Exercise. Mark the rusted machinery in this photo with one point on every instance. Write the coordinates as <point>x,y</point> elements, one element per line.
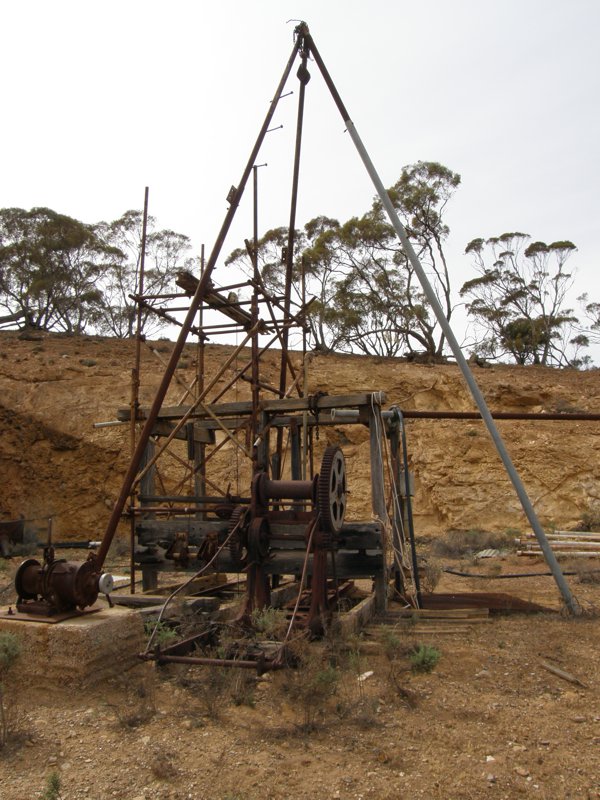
<point>288,519</point>
<point>288,534</point>
<point>285,527</point>
<point>58,586</point>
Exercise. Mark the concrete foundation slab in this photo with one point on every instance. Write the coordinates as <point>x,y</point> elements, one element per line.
<point>78,652</point>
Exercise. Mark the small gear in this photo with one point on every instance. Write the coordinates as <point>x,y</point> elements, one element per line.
<point>331,490</point>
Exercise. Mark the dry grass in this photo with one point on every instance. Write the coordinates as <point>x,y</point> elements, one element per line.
<point>461,544</point>
<point>139,706</point>
<point>586,571</point>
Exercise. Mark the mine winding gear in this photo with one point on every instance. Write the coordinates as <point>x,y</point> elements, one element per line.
<point>317,506</point>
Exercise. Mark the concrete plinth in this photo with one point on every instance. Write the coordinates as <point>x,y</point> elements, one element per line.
<point>77,653</point>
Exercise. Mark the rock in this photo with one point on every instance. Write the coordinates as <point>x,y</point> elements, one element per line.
<point>88,362</point>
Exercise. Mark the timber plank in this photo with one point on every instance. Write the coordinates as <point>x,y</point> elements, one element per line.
<point>270,406</point>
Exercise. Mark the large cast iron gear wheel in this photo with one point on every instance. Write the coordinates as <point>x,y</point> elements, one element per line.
<point>331,490</point>
<point>238,544</point>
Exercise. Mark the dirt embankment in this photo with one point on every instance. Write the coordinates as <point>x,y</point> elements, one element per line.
<point>55,463</point>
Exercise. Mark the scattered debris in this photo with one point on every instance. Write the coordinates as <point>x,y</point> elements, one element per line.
<point>560,673</point>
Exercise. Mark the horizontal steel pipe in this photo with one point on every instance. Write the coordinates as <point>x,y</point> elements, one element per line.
<point>351,416</point>
<point>260,666</point>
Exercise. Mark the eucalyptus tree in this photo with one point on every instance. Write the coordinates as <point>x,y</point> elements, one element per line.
<point>519,300</point>
<point>166,253</point>
<point>51,269</point>
<point>365,295</point>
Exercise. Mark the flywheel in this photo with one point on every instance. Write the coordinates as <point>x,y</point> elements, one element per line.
<point>331,490</point>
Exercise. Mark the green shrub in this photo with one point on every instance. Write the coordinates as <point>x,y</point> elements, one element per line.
<point>310,686</point>
<point>271,622</point>
<point>424,658</point>
<point>10,649</point>
<point>392,645</point>
<point>52,790</point>
<point>164,633</point>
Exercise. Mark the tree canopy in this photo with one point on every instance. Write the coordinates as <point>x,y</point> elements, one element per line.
<point>165,255</point>
<point>519,300</point>
<point>51,266</point>
<point>365,294</point>
<point>60,274</point>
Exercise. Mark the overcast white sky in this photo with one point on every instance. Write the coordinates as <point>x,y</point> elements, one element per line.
<point>103,98</point>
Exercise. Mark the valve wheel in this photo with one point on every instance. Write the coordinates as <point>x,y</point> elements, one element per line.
<point>331,490</point>
<point>238,544</point>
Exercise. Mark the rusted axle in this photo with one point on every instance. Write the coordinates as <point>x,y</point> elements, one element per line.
<point>261,665</point>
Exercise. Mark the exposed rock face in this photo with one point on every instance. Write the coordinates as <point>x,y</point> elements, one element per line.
<point>54,463</point>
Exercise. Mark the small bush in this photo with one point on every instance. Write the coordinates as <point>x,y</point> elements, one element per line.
<point>242,687</point>
<point>119,548</point>
<point>164,633</point>
<point>214,686</point>
<point>53,785</point>
<point>458,544</point>
<point>271,622</point>
<point>430,576</point>
<point>162,766</point>
<point>424,658</point>
<point>140,706</point>
<point>392,645</point>
<point>586,572</point>
<point>25,548</point>
<point>310,685</point>
<point>10,649</point>
<point>590,520</point>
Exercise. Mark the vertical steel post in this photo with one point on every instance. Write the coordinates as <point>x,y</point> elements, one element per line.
<point>303,77</point>
<point>200,448</point>
<point>526,504</point>
<point>135,376</point>
<point>376,432</point>
<point>399,419</point>
<point>255,374</point>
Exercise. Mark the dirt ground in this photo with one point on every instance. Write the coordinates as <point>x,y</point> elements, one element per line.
<point>490,720</point>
